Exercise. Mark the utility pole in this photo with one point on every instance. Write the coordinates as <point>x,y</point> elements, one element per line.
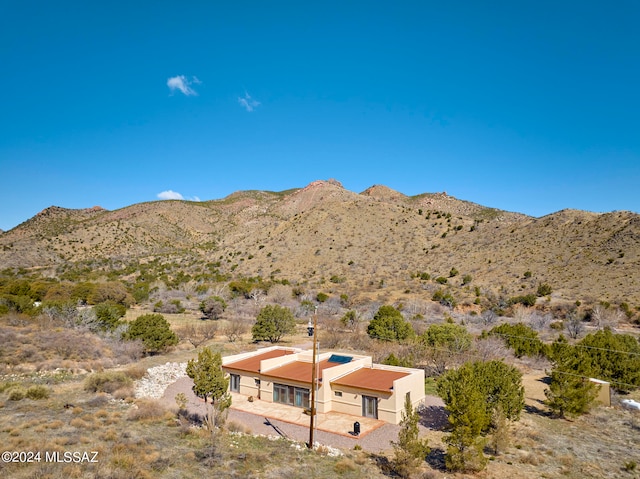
<point>313,378</point>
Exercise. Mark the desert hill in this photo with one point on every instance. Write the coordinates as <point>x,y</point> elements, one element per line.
<point>323,235</point>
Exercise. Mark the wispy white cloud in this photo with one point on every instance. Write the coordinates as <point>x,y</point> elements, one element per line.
<point>247,102</point>
<point>170,195</point>
<point>174,195</point>
<point>183,84</point>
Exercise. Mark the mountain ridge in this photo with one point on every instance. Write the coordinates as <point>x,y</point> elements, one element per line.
<point>368,239</point>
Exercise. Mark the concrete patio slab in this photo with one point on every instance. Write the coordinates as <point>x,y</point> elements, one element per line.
<point>334,422</point>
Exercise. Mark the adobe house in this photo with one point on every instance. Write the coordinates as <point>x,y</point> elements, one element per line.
<point>347,383</point>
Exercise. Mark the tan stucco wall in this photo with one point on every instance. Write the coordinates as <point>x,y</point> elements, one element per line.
<point>325,393</point>
<point>390,404</point>
<point>248,385</point>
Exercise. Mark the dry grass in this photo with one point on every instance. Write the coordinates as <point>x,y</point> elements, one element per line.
<point>31,347</point>
<point>144,440</point>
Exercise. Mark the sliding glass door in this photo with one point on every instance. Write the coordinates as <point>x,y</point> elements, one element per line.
<point>370,406</point>
<point>291,395</point>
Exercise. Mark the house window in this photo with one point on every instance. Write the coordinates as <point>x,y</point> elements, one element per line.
<point>338,394</point>
<point>370,406</point>
<point>234,383</point>
<point>291,395</point>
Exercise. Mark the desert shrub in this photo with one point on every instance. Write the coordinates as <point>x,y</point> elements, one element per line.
<point>153,330</point>
<point>272,323</point>
<point>444,298</point>
<point>526,300</point>
<point>441,280</point>
<point>6,386</point>
<point>521,338</point>
<point>614,358</point>
<point>125,393</point>
<point>213,307</point>
<point>126,351</point>
<point>109,313</point>
<point>344,466</point>
<point>136,372</point>
<point>100,399</point>
<point>388,324</point>
<point>38,392</point>
<point>112,291</point>
<point>322,297</point>
<point>16,394</point>
<point>393,360</point>
<point>107,381</point>
<point>544,289</point>
<point>234,426</point>
<point>181,401</point>
<point>147,410</point>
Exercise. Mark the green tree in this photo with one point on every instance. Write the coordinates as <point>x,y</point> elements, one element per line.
<point>109,314</point>
<point>388,324</point>
<point>614,358</point>
<point>153,330</point>
<point>474,394</point>
<point>272,323</point>
<point>570,393</point>
<point>213,307</point>
<point>468,417</point>
<point>209,379</point>
<point>350,319</point>
<point>393,360</point>
<point>409,450</point>
<point>521,338</point>
<point>112,291</point>
<point>445,342</point>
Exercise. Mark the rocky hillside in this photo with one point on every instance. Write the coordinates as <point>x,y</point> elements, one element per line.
<point>327,236</point>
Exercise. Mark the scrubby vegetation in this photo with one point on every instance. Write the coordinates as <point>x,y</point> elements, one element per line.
<point>414,287</point>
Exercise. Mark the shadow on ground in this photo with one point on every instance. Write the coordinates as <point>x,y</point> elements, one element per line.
<point>533,409</point>
<point>435,459</point>
<point>434,417</point>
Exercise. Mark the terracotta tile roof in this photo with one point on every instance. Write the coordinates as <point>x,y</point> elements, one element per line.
<point>371,379</point>
<point>299,370</point>
<point>252,363</point>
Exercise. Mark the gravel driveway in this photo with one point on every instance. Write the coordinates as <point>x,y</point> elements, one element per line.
<point>376,441</point>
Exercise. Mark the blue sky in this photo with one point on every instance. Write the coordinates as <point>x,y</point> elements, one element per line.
<point>529,106</point>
